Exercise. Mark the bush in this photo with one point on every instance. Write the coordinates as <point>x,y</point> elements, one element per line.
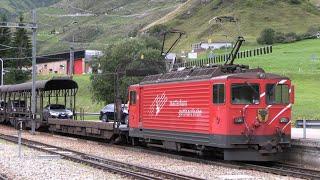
<point>291,37</point>
<point>279,37</point>
<point>158,30</point>
<point>16,76</point>
<point>267,36</point>
<point>295,1</point>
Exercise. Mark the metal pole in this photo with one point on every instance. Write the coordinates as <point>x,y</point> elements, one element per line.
<point>19,138</point>
<point>71,57</point>
<point>34,54</point>
<point>1,71</point>
<point>304,129</point>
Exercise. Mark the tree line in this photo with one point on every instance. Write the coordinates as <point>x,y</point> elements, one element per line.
<point>15,50</point>
<point>131,58</point>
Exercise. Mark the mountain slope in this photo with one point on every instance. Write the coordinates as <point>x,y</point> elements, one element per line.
<point>253,15</point>
<point>97,22</point>
<point>14,7</point>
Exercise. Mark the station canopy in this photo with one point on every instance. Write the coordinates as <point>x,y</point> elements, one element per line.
<point>43,85</point>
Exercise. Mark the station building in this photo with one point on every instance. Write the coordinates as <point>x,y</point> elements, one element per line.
<point>58,63</point>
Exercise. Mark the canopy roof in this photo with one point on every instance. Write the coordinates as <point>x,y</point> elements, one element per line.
<point>44,85</point>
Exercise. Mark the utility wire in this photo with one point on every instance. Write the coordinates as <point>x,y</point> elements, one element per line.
<point>20,58</point>
<point>11,47</point>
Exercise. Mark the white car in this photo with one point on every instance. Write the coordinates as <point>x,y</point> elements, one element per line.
<point>57,111</point>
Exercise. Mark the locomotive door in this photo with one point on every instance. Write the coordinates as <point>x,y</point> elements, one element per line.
<point>218,110</point>
<point>134,107</point>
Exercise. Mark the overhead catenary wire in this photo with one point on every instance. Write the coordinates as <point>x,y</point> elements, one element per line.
<point>7,46</point>
<point>20,58</point>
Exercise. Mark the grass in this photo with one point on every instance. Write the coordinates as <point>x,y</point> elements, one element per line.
<point>114,26</point>
<point>253,15</point>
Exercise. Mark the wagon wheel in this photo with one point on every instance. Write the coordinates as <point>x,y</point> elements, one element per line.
<point>104,118</point>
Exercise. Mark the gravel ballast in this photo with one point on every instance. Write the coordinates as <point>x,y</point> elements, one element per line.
<point>205,171</point>
<point>39,165</point>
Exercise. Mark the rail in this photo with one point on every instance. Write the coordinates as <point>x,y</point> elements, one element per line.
<point>126,169</point>
<point>291,170</point>
<point>3,177</point>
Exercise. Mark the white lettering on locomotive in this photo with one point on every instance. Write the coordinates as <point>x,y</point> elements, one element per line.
<point>190,113</point>
<point>178,103</point>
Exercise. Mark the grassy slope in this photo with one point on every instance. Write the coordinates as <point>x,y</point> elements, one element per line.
<point>254,15</point>
<point>96,31</point>
<point>14,7</point>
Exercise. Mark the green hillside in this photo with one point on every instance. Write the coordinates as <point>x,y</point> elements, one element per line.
<point>97,22</point>
<point>14,7</point>
<point>101,22</point>
<point>253,16</point>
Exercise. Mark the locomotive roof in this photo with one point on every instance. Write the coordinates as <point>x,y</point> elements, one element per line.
<point>218,72</point>
<point>44,85</point>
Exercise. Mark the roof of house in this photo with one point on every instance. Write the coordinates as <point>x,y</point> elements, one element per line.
<point>60,56</point>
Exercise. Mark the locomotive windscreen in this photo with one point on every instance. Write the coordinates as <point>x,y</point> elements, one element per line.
<point>245,93</point>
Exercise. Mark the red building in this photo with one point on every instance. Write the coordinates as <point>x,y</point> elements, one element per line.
<point>58,63</point>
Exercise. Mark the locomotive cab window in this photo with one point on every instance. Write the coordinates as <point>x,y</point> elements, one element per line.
<point>245,93</point>
<point>277,94</point>
<point>133,97</point>
<point>218,94</point>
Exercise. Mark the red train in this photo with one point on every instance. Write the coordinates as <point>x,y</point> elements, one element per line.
<point>245,113</point>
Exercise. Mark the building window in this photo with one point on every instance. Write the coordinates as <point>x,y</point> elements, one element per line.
<point>62,66</point>
<point>45,66</point>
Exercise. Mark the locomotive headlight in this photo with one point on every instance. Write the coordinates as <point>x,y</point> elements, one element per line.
<point>284,120</point>
<point>238,120</point>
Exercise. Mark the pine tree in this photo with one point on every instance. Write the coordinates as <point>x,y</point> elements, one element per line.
<point>21,49</point>
<point>22,44</point>
<point>5,39</point>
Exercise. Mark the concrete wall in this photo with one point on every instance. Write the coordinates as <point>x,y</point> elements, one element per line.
<point>58,67</point>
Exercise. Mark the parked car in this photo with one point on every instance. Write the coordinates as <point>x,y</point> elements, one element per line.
<point>56,111</point>
<point>107,113</point>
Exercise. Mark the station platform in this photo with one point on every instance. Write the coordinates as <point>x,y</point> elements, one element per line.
<point>312,134</point>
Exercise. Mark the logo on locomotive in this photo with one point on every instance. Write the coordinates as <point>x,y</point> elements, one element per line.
<point>158,104</point>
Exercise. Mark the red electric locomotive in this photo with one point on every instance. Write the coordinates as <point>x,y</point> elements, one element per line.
<point>245,113</point>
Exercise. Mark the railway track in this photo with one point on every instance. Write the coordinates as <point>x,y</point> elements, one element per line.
<point>144,173</point>
<point>125,169</point>
<point>3,177</point>
<point>284,170</point>
<point>277,168</point>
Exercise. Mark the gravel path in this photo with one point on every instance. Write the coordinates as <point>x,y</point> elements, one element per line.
<point>36,165</point>
<point>144,159</point>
